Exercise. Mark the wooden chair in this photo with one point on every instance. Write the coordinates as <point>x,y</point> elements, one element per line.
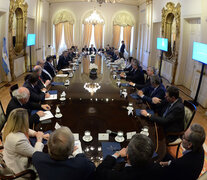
<point>2,119</point>
<point>6,173</point>
<point>190,110</point>
<point>203,177</point>
<point>12,88</point>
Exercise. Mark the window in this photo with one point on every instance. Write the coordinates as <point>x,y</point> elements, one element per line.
<point>92,41</point>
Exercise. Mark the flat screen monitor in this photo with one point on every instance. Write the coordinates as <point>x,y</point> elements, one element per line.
<point>200,52</point>
<point>162,44</point>
<point>31,39</point>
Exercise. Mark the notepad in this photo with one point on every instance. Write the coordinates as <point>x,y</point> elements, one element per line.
<point>52,97</point>
<point>57,83</point>
<point>48,115</point>
<point>61,75</point>
<point>52,92</point>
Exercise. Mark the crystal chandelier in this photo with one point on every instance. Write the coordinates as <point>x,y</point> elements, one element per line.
<point>92,87</point>
<point>104,1</point>
<point>94,18</point>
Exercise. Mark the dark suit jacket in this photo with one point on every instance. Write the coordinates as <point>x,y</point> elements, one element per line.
<point>36,95</point>
<point>92,50</point>
<point>50,69</point>
<point>46,76</point>
<point>187,167</point>
<point>62,63</point>
<point>145,85</point>
<point>77,168</point>
<point>150,92</point>
<point>14,104</point>
<point>174,119</point>
<point>84,49</point>
<point>122,48</point>
<point>105,171</point>
<point>136,76</point>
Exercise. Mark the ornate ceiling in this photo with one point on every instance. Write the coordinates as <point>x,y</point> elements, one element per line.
<point>128,2</point>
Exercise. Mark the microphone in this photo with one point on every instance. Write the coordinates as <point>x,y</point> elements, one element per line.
<point>110,132</point>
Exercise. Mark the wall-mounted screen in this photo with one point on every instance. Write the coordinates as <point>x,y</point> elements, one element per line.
<point>200,52</point>
<point>31,39</point>
<point>162,44</point>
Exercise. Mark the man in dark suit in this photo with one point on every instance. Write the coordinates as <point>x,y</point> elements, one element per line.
<point>157,89</point>
<point>20,99</point>
<point>151,71</point>
<point>85,49</point>
<point>92,49</point>
<point>49,67</point>
<point>44,75</point>
<point>188,166</point>
<point>36,95</point>
<point>136,75</point>
<point>62,162</point>
<point>63,61</point>
<point>122,49</point>
<point>138,165</point>
<point>172,114</point>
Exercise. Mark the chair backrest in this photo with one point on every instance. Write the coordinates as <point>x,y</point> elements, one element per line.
<point>203,177</point>
<point>145,75</point>
<point>12,88</point>
<point>2,117</point>
<point>190,110</point>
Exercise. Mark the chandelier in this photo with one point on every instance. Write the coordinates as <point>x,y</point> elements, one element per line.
<point>104,1</point>
<point>92,87</point>
<point>94,18</point>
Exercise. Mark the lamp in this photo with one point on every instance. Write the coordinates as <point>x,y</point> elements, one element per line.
<point>104,1</point>
<point>94,18</point>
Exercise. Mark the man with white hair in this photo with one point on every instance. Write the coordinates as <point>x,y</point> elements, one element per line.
<point>20,99</point>
<point>61,161</point>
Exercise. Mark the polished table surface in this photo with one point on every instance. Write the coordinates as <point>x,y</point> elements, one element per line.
<point>97,112</point>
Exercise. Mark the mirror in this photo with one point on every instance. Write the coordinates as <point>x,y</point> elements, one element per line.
<point>17,32</point>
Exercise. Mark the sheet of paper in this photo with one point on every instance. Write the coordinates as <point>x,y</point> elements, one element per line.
<point>103,136</point>
<point>48,115</point>
<point>130,134</point>
<point>61,75</point>
<point>57,126</point>
<point>78,145</point>
<point>52,97</point>
<point>76,136</point>
<point>66,69</point>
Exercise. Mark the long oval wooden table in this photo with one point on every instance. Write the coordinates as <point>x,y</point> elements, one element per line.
<point>97,112</point>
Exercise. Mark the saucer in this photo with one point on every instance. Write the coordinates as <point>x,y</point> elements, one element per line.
<point>118,139</point>
<point>87,139</point>
<point>130,108</point>
<point>62,99</point>
<point>146,133</point>
<point>58,115</point>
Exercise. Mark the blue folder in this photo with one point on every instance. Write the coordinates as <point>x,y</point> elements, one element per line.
<point>109,148</point>
<point>53,92</point>
<point>125,84</point>
<point>33,140</point>
<point>134,96</point>
<point>57,83</point>
<point>138,113</point>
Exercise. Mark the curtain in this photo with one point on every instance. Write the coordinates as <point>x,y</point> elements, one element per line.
<point>116,36</point>
<point>98,32</point>
<point>87,34</point>
<point>127,37</point>
<point>58,35</point>
<point>68,31</point>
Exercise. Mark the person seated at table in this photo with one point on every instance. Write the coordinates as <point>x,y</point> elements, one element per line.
<point>17,148</point>
<point>120,62</point>
<point>92,49</point>
<point>36,95</point>
<point>49,67</point>
<point>138,165</point>
<point>128,66</point>
<point>70,55</point>
<point>101,50</point>
<point>115,56</point>
<point>172,112</point>
<point>190,165</point>
<point>62,160</point>
<point>85,49</point>
<point>44,75</point>
<point>157,89</point>
<point>151,71</point>
<point>41,83</point>
<point>136,75</point>
<point>63,61</point>
<point>20,99</point>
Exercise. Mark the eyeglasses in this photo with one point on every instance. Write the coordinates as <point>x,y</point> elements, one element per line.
<point>183,137</point>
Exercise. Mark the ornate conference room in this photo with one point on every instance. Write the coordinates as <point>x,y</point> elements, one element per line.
<point>103,89</point>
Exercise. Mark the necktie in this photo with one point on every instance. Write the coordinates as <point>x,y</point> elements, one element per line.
<point>166,111</point>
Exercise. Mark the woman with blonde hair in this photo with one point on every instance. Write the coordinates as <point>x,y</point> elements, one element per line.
<point>17,148</point>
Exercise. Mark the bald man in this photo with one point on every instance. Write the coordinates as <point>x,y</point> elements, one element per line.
<point>45,75</point>
<point>20,99</point>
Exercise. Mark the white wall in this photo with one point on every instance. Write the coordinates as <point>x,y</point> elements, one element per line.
<point>79,9</point>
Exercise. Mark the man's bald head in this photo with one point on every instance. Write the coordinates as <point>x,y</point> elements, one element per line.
<point>22,94</point>
<point>41,63</point>
<point>38,69</point>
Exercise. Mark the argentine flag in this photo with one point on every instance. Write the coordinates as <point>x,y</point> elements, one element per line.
<point>5,59</point>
